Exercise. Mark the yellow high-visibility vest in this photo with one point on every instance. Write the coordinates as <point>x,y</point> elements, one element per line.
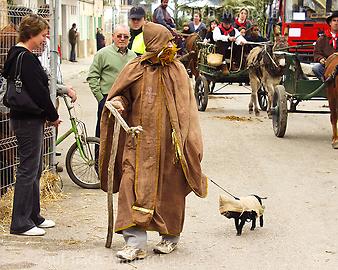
<point>138,44</point>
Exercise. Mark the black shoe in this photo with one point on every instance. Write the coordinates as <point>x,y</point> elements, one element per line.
<point>59,168</point>
<point>58,154</point>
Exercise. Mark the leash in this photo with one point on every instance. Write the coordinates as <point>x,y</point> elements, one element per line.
<point>212,181</point>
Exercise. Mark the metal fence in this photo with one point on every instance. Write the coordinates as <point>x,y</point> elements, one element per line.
<point>10,18</point>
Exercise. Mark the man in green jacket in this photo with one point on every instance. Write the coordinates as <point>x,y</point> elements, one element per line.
<point>106,66</point>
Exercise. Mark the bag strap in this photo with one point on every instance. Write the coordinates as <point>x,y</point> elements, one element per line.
<point>17,75</point>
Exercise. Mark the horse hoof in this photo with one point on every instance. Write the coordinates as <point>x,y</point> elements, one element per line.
<point>250,111</point>
<point>335,145</point>
<point>257,113</point>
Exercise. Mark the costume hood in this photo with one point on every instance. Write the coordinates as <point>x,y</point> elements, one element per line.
<point>156,37</point>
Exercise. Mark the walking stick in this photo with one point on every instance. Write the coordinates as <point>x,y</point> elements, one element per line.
<point>119,121</point>
<point>110,184</point>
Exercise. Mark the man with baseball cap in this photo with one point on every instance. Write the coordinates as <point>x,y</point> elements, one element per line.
<point>136,22</point>
<point>326,45</point>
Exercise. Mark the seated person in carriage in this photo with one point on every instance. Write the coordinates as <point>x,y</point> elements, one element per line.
<point>162,16</point>
<point>185,29</point>
<point>254,36</point>
<point>227,37</point>
<point>241,21</point>
<point>326,45</point>
<point>196,25</point>
<point>209,35</point>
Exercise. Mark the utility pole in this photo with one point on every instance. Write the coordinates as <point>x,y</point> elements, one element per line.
<point>54,25</point>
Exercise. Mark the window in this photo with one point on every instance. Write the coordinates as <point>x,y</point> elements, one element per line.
<point>73,10</point>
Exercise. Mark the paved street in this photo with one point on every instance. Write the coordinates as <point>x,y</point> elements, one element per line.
<point>298,174</point>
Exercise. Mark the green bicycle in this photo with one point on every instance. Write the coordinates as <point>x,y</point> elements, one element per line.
<point>82,156</point>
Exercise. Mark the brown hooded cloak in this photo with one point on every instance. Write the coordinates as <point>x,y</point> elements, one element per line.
<point>155,171</point>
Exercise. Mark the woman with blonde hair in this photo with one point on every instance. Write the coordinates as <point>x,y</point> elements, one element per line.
<point>28,125</point>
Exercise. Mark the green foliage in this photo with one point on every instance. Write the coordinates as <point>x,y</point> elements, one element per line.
<point>257,9</point>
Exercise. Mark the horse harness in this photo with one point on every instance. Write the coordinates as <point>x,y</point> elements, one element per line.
<point>265,59</point>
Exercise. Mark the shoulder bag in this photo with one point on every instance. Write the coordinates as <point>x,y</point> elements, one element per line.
<point>16,97</point>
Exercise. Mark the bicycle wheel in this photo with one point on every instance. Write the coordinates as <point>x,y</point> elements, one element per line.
<point>84,171</point>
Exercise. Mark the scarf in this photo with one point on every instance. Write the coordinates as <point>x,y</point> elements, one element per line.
<point>224,31</point>
<point>133,34</point>
<point>333,40</point>
<point>243,24</point>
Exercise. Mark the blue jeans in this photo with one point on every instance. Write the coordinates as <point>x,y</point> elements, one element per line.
<point>72,53</point>
<point>26,204</point>
<point>318,69</point>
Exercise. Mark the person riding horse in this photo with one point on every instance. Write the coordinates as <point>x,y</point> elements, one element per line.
<point>162,16</point>
<point>326,45</point>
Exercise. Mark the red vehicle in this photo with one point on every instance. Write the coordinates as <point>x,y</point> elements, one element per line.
<point>303,21</point>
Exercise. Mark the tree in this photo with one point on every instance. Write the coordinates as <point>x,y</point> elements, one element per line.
<point>257,9</point>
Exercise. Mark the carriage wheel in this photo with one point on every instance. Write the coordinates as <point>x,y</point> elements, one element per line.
<point>201,92</point>
<point>279,111</point>
<point>262,98</point>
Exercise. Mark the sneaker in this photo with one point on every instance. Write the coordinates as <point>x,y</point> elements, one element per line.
<point>128,253</point>
<point>35,231</point>
<point>47,224</point>
<point>165,247</point>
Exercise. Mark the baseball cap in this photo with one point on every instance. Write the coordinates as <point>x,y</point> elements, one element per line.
<point>137,13</point>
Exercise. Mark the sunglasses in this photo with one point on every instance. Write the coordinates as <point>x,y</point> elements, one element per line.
<point>122,36</point>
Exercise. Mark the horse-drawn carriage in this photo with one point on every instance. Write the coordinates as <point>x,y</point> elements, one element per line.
<point>295,87</point>
<point>209,74</point>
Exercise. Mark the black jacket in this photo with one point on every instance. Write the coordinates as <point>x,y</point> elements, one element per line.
<point>35,81</point>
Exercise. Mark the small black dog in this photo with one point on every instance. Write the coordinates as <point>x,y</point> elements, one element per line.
<point>245,209</point>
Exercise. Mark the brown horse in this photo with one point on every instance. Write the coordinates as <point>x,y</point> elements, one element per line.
<point>189,59</point>
<point>331,71</point>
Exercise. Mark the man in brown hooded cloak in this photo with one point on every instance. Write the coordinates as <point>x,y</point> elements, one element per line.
<point>155,171</point>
